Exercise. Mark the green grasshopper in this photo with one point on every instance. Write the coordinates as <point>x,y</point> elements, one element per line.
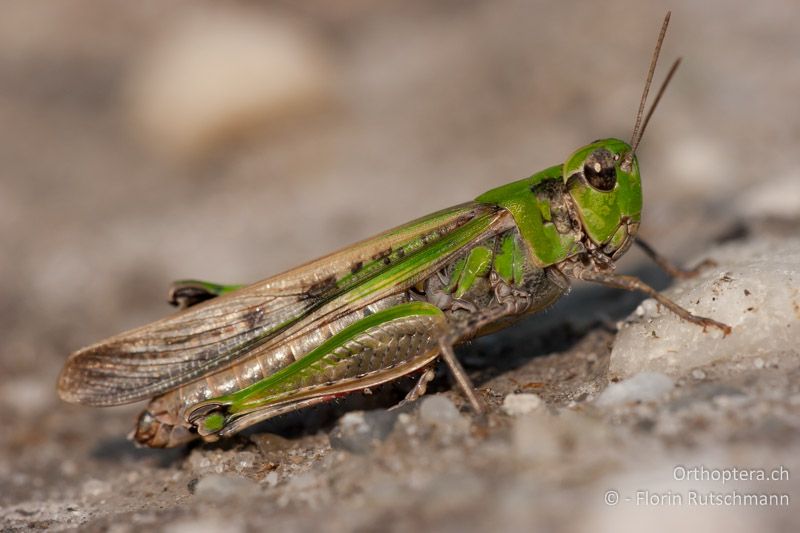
<point>384,308</point>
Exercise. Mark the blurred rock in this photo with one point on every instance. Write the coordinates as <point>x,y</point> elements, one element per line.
<point>780,198</point>
<point>359,431</point>
<point>700,165</point>
<point>451,494</point>
<point>203,461</point>
<point>541,436</point>
<point>536,437</point>
<point>27,396</point>
<point>220,74</point>
<point>643,387</point>
<point>650,494</point>
<point>205,524</point>
<point>271,479</point>
<point>519,404</point>
<point>215,486</point>
<point>754,289</point>
<point>96,488</point>
<point>438,411</point>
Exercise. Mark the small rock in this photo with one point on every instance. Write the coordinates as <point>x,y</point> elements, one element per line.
<point>438,410</point>
<point>245,461</point>
<point>643,387</point>
<point>271,479</point>
<point>359,431</point>
<point>698,374</point>
<point>439,413</point>
<point>520,404</point>
<point>222,486</point>
<point>753,289</point>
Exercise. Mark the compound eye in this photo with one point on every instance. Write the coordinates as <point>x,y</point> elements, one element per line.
<point>600,171</point>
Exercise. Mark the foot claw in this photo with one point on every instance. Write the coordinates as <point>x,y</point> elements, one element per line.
<point>707,322</point>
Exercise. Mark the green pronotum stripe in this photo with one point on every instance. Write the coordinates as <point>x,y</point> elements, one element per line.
<point>257,389</point>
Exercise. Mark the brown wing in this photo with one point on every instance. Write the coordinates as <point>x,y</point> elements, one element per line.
<point>157,357</point>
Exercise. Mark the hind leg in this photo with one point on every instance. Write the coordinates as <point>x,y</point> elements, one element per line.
<point>419,387</point>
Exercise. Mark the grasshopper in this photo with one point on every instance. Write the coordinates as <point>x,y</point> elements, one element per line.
<point>384,308</point>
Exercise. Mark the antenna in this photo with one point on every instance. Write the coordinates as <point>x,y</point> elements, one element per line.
<point>637,129</point>
<point>657,99</point>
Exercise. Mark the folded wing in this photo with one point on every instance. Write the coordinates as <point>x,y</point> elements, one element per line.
<point>152,359</point>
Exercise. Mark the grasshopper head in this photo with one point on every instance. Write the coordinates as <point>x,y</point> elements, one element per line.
<point>603,177</point>
<point>604,183</point>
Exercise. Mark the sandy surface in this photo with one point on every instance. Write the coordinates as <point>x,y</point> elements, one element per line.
<point>406,107</point>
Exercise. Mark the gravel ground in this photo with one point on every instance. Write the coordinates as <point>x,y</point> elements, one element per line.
<point>136,151</point>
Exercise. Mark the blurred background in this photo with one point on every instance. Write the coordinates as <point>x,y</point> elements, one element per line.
<point>143,142</point>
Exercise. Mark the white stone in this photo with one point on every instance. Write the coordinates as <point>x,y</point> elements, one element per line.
<point>643,387</point>
<point>755,289</point>
<point>354,422</point>
<point>520,404</point>
<point>438,410</point>
<point>440,414</point>
<point>271,479</point>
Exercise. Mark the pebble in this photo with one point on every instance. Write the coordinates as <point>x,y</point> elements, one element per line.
<point>520,404</point>
<point>438,410</point>
<point>441,415</point>
<point>271,479</point>
<point>643,387</point>
<point>359,431</point>
<point>750,290</point>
